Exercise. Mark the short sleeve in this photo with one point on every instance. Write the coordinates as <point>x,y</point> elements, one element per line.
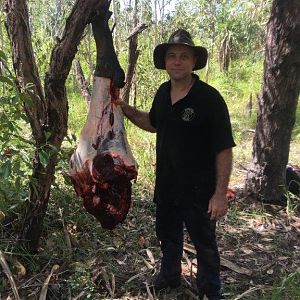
<point>221,131</point>
<point>153,112</point>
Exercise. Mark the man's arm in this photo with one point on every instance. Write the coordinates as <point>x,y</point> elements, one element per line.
<point>137,117</point>
<point>218,204</point>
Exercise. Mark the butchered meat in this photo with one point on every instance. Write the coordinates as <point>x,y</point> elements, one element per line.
<point>102,166</point>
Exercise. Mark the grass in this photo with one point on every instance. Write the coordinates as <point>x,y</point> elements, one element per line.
<point>289,286</point>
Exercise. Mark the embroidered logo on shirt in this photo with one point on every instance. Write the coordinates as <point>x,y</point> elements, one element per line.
<point>188,114</point>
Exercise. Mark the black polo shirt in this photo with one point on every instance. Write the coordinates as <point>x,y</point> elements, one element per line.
<point>189,134</point>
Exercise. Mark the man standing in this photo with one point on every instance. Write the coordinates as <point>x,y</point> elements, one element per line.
<point>193,162</point>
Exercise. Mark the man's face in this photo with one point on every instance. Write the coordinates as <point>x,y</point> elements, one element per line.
<point>180,61</point>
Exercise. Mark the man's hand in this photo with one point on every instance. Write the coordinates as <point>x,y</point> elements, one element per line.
<point>137,117</point>
<point>119,102</point>
<point>218,206</point>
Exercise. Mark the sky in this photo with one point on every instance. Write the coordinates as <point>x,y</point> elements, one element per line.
<point>168,8</point>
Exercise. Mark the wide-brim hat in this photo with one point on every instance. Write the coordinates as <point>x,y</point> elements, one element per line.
<point>179,37</point>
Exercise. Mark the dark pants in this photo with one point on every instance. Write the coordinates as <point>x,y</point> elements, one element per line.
<point>169,229</point>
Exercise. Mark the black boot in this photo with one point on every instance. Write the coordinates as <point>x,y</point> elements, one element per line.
<point>162,281</point>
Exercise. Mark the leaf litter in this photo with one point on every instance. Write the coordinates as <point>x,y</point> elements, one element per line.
<point>259,246</point>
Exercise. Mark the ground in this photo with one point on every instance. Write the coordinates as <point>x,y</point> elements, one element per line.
<point>259,246</point>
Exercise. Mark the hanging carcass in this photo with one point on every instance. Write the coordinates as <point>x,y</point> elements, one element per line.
<point>102,167</point>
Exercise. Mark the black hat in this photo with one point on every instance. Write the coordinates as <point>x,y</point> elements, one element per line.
<point>179,37</point>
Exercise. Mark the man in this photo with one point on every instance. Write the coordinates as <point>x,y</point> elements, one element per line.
<point>194,160</point>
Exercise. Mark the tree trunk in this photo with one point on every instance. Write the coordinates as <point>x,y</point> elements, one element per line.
<point>162,16</point>
<point>1,47</point>
<point>155,23</point>
<point>82,83</point>
<point>277,105</point>
<point>89,52</point>
<point>116,9</point>
<point>133,54</point>
<point>1,34</point>
<point>225,52</point>
<point>132,59</point>
<point>58,15</point>
<point>48,114</point>
<point>212,33</point>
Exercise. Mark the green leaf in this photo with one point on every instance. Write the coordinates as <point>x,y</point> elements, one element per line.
<point>52,147</point>
<point>2,55</point>
<point>47,134</point>
<point>26,99</point>
<point>17,167</point>
<point>74,137</point>
<point>7,80</point>
<point>24,117</point>
<point>5,169</point>
<point>18,183</point>
<point>14,100</point>
<point>44,158</point>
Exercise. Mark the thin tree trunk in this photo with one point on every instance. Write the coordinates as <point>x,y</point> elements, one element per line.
<point>89,53</point>
<point>1,47</point>
<point>162,16</point>
<point>1,34</point>
<point>116,30</point>
<point>48,114</point>
<point>133,54</point>
<point>83,84</point>
<point>58,14</point>
<point>207,68</point>
<point>155,23</point>
<point>134,91</point>
<point>277,105</point>
<point>128,17</point>
<point>212,8</point>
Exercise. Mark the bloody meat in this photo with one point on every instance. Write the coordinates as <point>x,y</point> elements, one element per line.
<point>103,166</point>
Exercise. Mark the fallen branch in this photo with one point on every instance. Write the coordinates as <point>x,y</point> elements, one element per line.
<point>230,265</point>
<point>43,294</point>
<point>79,296</point>
<point>251,290</point>
<point>135,276</point>
<point>148,265</point>
<point>9,275</point>
<point>224,262</point>
<point>66,233</point>
<point>111,286</point>
<point>150,296</point>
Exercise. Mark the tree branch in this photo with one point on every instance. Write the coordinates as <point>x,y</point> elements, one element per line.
<point>64,52</point>
<point>24,63</point>
<point>62,56</point>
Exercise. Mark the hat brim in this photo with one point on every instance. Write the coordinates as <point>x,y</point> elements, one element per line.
<point>161,49</point>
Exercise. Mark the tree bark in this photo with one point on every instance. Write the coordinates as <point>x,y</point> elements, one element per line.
<point>212,33</point>
<point>225,52</point>
<point>155,23</point>
<point>89,52</point>
<point>116,9</point>
<point>25,65</point>
<point>133,55</point>
<point>48,114</point>
<point>83,84</point>
<point>277,104</point>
